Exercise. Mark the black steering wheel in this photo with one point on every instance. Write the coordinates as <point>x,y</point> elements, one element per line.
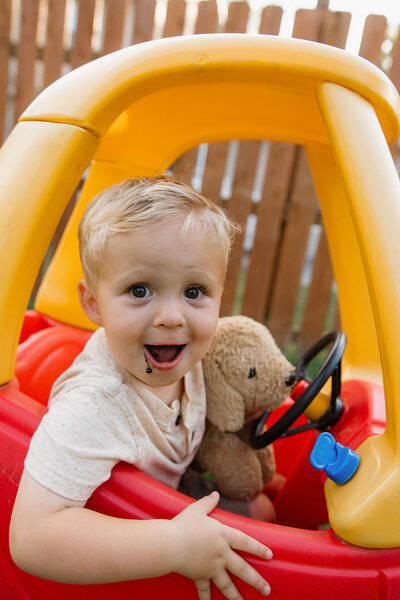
<point>331,367</point>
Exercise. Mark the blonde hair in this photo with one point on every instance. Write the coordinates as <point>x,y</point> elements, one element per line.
<point>146,202</point>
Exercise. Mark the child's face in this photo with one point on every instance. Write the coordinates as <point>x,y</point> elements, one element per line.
<point>158,297</point>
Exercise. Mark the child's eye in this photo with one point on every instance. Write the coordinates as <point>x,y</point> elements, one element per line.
<point>193,292</point>
<point>139,291</point>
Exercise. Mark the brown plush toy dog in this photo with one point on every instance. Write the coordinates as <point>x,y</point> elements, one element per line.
<point>245,375</point>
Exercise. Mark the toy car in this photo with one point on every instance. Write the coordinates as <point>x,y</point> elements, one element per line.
<point>132,113</point>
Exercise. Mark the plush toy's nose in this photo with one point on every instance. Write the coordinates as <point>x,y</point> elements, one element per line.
<point>291,379</point>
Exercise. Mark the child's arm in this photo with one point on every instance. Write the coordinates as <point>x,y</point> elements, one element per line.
<point>58,539</point>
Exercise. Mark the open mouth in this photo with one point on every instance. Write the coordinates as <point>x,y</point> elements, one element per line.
<point>163,357</point>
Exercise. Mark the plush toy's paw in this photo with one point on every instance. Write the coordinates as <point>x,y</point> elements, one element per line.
<point>233,463</point>
<point>267,461</point>
<point>261,508</point>
<point>274,485</point>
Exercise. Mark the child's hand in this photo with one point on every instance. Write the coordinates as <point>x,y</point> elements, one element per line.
<point>205,551</point>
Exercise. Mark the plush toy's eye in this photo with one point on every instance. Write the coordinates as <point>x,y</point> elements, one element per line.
<point>252,372</point>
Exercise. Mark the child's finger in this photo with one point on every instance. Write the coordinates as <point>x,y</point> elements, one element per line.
<point>239,567</point>
<point>206,504</point>
<point>241,541</point>
<point>227,587</point>
<point>203,589</point>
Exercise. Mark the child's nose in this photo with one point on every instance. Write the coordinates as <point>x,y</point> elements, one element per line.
<point>169,314</point>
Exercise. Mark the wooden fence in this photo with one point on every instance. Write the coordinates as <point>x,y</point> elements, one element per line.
<point>280,271</point>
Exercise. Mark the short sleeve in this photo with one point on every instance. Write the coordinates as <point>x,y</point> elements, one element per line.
<point>78,443</point>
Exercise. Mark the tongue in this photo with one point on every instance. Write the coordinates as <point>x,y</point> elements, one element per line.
<point>164,353</point>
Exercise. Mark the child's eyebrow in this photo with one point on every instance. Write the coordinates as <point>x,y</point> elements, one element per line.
<point>135,273</point>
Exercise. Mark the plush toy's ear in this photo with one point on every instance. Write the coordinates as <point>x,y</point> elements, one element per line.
<point>225,405</point>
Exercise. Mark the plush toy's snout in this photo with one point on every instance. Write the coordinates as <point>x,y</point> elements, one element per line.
<point>291,380</point>
<point>245,374</point>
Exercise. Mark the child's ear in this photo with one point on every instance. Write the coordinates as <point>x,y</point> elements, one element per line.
<point>88,302</point>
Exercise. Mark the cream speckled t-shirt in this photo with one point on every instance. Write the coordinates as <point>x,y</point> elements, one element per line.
<point>100,414</point>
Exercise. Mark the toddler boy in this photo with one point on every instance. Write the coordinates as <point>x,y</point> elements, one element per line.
<point>154,255</point>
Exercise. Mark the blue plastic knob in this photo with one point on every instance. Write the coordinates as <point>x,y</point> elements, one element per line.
<point>339,462</point>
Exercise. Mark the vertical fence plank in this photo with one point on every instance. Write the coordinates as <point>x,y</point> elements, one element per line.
<point>207,22</point>
<point>271,18</point>
<point>238,15</point>
<point>394,71</point>
<point>114,25</point>
<point>373,37</point>
<point>26,56</point>
<point>214,171</point>
<point>331,28</point>
<point>5,18</point>
<point>300,213</point>
<point>334,32</point>
<point>175,18</point>
<point>308,24</point>
<point>183,167</point>
<point>394,74</point>
<point>207,17</point>
<point>53,53</point>
<point>217,153</point>
<point>144,20</point>
<point>270,209</point>
<point>239,207</point>
<point>270,216</point>
<point>81,51</point>
<point>335,28</point>
<point>318,297</point>
<point>299,218</point>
